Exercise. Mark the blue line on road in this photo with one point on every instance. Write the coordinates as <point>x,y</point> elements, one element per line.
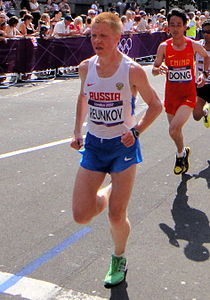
<point>42,259</point>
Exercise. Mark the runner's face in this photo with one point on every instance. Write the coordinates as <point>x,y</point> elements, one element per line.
<point>176,26</point>
<point>104,39</point>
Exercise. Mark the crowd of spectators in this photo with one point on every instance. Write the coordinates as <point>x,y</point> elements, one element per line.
<point>54,19</point>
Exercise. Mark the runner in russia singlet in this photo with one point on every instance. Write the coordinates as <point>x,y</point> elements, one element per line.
<point>111,104</point>
<point>180,83</point>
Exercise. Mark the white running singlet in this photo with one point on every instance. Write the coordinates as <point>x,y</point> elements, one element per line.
<point>199,64</point>
<point>111,105</point>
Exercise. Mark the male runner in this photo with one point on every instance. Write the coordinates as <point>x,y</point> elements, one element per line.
<point>110,82</point>
<point>203,94</point>
<point>180,93</point>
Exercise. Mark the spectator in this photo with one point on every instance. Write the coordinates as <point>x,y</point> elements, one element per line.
<point>2,26</point>
<point>22,13</point>
<point>55,19</point>
<point>9,7</point>
<point>2,31</point>
<point>163,11</point>
<point>133,6</point>
<point>24,4</point>
<point>64,8</point>
<point>137,19</point>
<point>2,39</point>
<point>206,14</point>
<point>84,17</point>
<point>44,32</point>
<point>123,20</point>
<point>48,8</point>
<point>78,25</point>
<point>198,14</point>
<point>143,25</point>
<point>62,28</point>
<point>202,19</point>
<point>95,6</point>
<point>87,27</point>
<point>121,7</point>
<point>44,20</point>
<point>2,6</point>
<point>162,23</point>
<point>55,5</point>
<point>35,11</point>
<point>128,25</point>
<point>11,30</point>
<point>112,8</point>
<point>91,13</point>
<point>150,25</point>
<point>191,26</point>
<point>3,17</point>
<point>198,23</point>
<point>26,27</point>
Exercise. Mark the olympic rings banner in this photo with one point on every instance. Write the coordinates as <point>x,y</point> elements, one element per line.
<point>35,54</point>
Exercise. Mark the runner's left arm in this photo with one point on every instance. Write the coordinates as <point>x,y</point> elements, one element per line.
<point>139,83</point>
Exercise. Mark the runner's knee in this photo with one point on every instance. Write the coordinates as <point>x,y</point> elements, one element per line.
<point>174,131</point>
<point>117,217</point>
<point>81,218</point>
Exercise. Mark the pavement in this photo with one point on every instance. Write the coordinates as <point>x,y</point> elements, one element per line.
<point>44,255</point>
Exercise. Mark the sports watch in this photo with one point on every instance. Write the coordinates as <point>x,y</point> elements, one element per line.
<point>135,132</point>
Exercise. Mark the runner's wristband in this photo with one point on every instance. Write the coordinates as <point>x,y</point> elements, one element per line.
<point>135,132</point>
<point>206,74</point>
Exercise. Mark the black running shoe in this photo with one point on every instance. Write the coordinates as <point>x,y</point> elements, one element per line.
<point>186,160</point>
<point>179,165</point>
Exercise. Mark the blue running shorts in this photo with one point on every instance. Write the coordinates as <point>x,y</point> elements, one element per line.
<point>109,155</point>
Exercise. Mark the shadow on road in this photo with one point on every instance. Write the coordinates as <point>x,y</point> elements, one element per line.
<point>119,292</point>
<point>191,224</point>
<point>204,174</point>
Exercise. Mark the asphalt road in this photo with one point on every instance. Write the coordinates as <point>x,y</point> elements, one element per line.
<point>44,255</point>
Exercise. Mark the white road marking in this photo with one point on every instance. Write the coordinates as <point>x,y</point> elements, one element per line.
<point>21,151</point>
<point>34,289</point>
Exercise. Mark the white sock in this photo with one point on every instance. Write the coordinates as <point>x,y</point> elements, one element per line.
<point>181,154</point>
<point>205,111</point>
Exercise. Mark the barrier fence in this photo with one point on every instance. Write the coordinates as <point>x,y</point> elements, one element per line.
<point>27,55</point>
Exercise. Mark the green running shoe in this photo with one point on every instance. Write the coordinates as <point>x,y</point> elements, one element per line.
<point>117,272</point>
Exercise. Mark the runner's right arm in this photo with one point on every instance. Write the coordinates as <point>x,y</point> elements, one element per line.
<point>81,110</point>
<point>158,67</point>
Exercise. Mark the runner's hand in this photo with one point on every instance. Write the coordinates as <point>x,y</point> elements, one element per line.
<point>76,143</point>
<point>201,81</point>
<point>128,139</point>
<point>163,69</point>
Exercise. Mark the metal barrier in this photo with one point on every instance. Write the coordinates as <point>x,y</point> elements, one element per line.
<point>7,80</point>
<point>43,75</point>
<point>35,59</point>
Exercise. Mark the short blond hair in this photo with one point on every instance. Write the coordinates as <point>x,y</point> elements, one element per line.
<point>109,18</point>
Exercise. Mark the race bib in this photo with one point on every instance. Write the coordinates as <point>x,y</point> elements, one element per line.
<point>183,74</point>
<point>106,113</point>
